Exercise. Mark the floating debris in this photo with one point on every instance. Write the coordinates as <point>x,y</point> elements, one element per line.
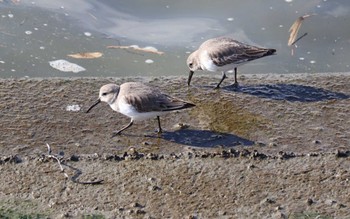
<point>294,29</point>
<point>149,61</point>
<point>149,49</point>
<point>87,34</point>
<point>66,66</point>
<point>86,55</point>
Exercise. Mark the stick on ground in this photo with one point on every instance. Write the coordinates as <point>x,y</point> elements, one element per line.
<point>78,172</point>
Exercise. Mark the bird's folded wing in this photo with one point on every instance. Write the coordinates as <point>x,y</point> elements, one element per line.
<point>236,55</point>
<point>156,102</point>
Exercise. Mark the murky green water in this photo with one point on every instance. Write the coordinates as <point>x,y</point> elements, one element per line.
<point>33,33</point>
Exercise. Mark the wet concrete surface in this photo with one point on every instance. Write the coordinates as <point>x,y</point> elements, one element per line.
<point>275,147</point>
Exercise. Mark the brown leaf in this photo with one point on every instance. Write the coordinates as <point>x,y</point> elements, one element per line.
<point>294,29</point>
<point>86,55</point>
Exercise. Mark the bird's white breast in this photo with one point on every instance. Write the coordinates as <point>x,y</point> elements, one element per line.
<point>130,111</point>
<point>208,64</point>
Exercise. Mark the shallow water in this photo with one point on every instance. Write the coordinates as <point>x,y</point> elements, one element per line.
<point>33,33</point>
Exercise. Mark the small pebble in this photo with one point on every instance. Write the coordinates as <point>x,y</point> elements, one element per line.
<point>74,158</point>
<point>181,126</point>
<point>136,205</point>
<point>251,166</point>
<point>272,144</point>
<point>140,211</point>
<point>270,201</point>
<point>330,202</point>
<point>151,179</point>
<point>316,142</point>
<point>278,208</point>
<point>309,201</point>
<point>261,144</point>
<point>130,211</point>
<point>341,205</point>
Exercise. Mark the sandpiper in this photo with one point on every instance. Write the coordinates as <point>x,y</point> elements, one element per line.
<point>139,102</point>
<point>223,54</point>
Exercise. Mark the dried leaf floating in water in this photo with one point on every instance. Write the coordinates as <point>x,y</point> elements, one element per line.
<point>294,29</point>
<point>66,66</point>
<point>148,49</point>
<point>86,55</point>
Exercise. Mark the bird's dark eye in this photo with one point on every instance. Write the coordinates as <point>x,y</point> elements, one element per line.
<point>190,65</point>
<point>104,94</point>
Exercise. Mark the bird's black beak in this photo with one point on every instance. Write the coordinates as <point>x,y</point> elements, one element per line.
<point>189,78</point>
<point>97,102</point>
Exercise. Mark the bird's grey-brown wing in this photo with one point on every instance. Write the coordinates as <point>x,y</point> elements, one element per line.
<point>168,103</point>
<point>234,52</point>
<point>147,99</point>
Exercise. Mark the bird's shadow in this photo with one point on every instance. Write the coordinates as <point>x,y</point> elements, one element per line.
<point>205,138</point>
<point>289,92</point>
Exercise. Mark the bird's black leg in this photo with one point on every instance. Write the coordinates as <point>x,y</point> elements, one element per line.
<point>222,79</point>
<point>122,129</point>
<point>236,82</point>
<point>160,130</point>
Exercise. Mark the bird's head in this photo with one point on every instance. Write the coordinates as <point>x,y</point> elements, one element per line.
<point>108,93</point>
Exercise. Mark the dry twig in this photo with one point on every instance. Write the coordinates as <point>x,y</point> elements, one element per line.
<point>77,171</point>
<point>49,155</point>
